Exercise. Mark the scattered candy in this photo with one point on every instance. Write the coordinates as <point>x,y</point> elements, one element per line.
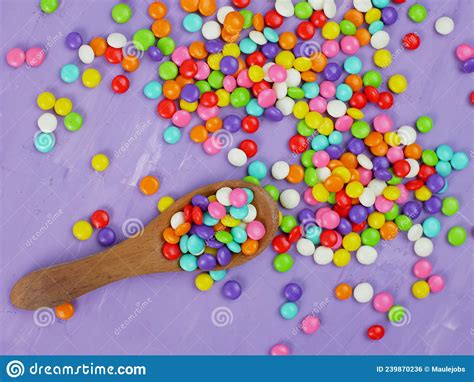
<point>100,162</point>
<point>149,185</point>
<point>376,332</point>
<point>64,311</point>
<point>15,57</point>
<point>444,25</point>
<point>82,230</point>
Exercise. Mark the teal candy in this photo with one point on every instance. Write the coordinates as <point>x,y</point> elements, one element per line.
<point>445,187</point>
<point>218,275</point>
<point>183,243</point>
<point>311,90</point>
<point>192,22</point>
<point>319,142</point>
<point>335,138</point>
<point>444,152</point>
<point>195,245</point>
<point>459,161</point>
<point>153,90</point>
<point>257,169</point>
<point>234,247</point>
<point>188,262</point>
<point>209,220</point>
<point>70,73</point>
<point>270,34</point>
<point>431,227</point>
<point>172,135</point>
<point>380,3</point>
<point>443,168</point>
<point>289,310</point>
<point>238,234</point>
<point>253,108</point>
<point>44,142</point>
<point>353,65</point>
<point>249,195</point>
<point>247,46</point>
<point>343,92</point>
<point>239,213</point>
<point>376,26</point>
<point>313,233</point>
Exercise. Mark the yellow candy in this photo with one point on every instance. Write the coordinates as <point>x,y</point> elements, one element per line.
<point>63,106</point>
<point>313,119</point>
<point>351,242</point>
<point>256,73</point>
<point>397,83</point>
<point>343,173</point>
<point>91,78</point>
<point>231,49</point>
<point>280,217</point>
<point>423,194</point>
<point>82,230</point>
<point>302,64</point>
<point>285,58</point>
<point>320,193</point>
<point>376,220</point>
<point>100,162</point>
<point>330,30</point>
<point>211,251</point>
<point>214,60</point>
<point>354,189</point>
<point>203,282</point>
<point>391,193</point>
<point>230,221</point>
<point>212,198</point>
<point>341,257</point>
<point>355,113</point>
<point>420,289</point>
<point>326,127</point>
<point>46,100</point>
<point>372,15</point>
<point>300,109</point>
<point>164,203</point>
<point>188,106</point>
<point>383,58</point>
<point>392,139</point>
<point>223,98</point>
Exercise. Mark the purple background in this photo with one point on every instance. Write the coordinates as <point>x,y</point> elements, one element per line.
<point>175,318</point>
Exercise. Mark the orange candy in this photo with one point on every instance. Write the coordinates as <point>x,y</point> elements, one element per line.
<point>258,22</point>
<point>363,36</point>
<point>349,160</point>
<point>171,89</point>
<point>334,183</point>
<point>333,163</point>
<point>161,28</point>
<point>234,22</point>
<point>170,236</point>
<point>190,5</point>
<point>343,291</point>
<point>213,124</point>
<point>198,134</point>
<point>130,63</point>
<point>413,151</point>
<point>249,247</point>
<point>379,150</point>
<point>197,50</point>
<point>354,81</point>
<point>309,76</point>
<point>157,10</point>
<point>64,311</point>
<point>373,139</point>
<point>296,174</point>
<point>219,227</point>
<point>229,36</point>
<point>355,175</point>
<point>287,40</point>
<point>181,81</point>
<point>182,229</point>
<point>149,185</point>
<point>319,62</point>
<point>99,46</point>
<point>355,17</point>
<point>207,7</point>
<point>389,231</point>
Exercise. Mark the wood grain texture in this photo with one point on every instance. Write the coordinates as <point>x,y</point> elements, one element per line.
<point>141,255</point>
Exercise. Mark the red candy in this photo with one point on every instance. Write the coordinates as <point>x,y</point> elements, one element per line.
<point>250,124</point>
<point>260,86</point>
<point>249,147</point>
<point>197,215</point>
<point>188,69</point>
<point>209,99</point>
<point>171,251</point>
<point>240,3</point>
<point>471,98</point>
<point>385,101</point>
<point>166,108</point>
<point>256,58</point>
<point>281,244</point>
<point>358,100</point>
<point>425,172</point>
<point>414,184</point>
<point>298,144</point>
<point>376,332</point>
<point>411,41</point>
<point>358,227</point>
<point>372,94</point>
<point>188,213</point>
<point>273,19</point>
<point>305,30</point>
<point>318,18</point>
<point>401,168</point>
<point>100,219</point>
<point>295,234</point>
<point>342,211</point>
<point>328,238</point>
<point>113,55</point>
<point>120,84</point>
<point>343,199</point>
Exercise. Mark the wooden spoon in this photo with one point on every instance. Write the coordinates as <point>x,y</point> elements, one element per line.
<point>141,255</point>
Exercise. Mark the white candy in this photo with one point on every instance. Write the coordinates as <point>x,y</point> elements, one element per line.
<point>365,161</point>
<point>366,255</point>
<point>284,8</point>
<point>258,37</point>
<point>323,173</point>
<point>290,199</point>
<point>329,8</point>
<point>367,198</point>
<point>423,247</point>
<point>407,135</point>
<point>285,105</point>
<point>336,108</point>
<point>317,5</point>
<point>47,122</point>
<point>211,30</point>
<point>415,232</point>
<point>177,219</point>
<point>281,89</point>
<point>362,5</point>
<point>237,157</point>
<point>380,39</point>
<point>223,194</point>
<point>414,168</point>
<point>223,12</point>
<point>305,247</point>
<point>86,54</point>
<point>117,40</point>
<point>363,292</point>
<point>293,78</point>
<point>444,25</point>
<point>377,186</point>
<point>280,170</point>
<point>323,255</point>
<point>265,68</point>
<point>252,214</point>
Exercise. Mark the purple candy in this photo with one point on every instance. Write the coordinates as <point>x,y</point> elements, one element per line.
<point>270,50</point>
<point>74,40</point>
<point>357,214</point>
<point>298,51</point>
<point>305,215</point>
<point>380,163</point>
<point>433,205</point>
<point>468,66</point>
<point>206,262</point>
<point>344,226</point>
<point>106,237</point>
<point>229,65</point>
<point>273,114</point>
<point>370,209</point>
<point>214,243</point>
<point>332,71</point>
<point>155,54</point>
<point>224,256</point>
<point>232,290</point>
<point>356,146</point>
<point>201,201</point>
<point>292,292</point>
<point>383,174</point>
<point>435,183</point>
<point>334,151</point>
<point>214,46</point>
<point>232,123</point>
<point>190,93</point>
<point>389,15</point>
<point>204,232</point>
<point>412,209</point>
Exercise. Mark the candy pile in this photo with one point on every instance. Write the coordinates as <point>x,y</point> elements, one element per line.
<point>82,229</point>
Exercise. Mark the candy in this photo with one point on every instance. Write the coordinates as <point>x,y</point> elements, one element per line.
<point>436,283</point>
<point>343,291</point>
<point>106,237</point>
<point>289,310</point>
<point>382,302</point>
<point>149,185</point>
<point>397,314</point>
<point>444,25</point>
<point>423,247</point>
<point>310,324</point>
<point>35,56</point>
<point>292,292</point>
<point>91,78</point>
<point>86,54</point>
<point>280,350</point>
<point>64,311</point>
<point>283,262</point>
<point>73,121</point>
<point>420,289</point>
<point>74,40</point>
<point>100,162</point>
<point>120,84</point>
<point>456,236</point>
<point>15,57</point>
<point>49,6</point>
<point>203,282</point>
<point>82,230</point>
<point>232,290</point>
<point>44,142</point>
<point>363,292</point>
<point>121,13</point>
<point>70,73</point>
<point>47,122</point>
<point>290,198</point>
<point>376,332</point>
<point>417,13</point>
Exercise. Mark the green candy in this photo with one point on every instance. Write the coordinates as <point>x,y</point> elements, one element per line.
<point>121,13</point>
<point>166,45</point>
<point>310,176</point>
<point>393,213</point>
<point>303,129</point>
<point>288,222</point>
<point>307,158</point>
<point>273,191</point>
<point>248,18</point>
<point>429,157</point>
<point>143,39</point>
<point>282,262</point>
<point>295,93</point>
<point>203,86</point>
<point>394,180</point>
<point>396,313</point>
<point>403,222</point>
<point>216,79</point>
<point>332,198</point>
<point>424,124</point>
<point>239,97</point>
<point>224,237</point>
<point>251,179</point>
<point>417,13</point>
<point>457,236</point>
<point>347,28</point>
<point>370,236</point>
<point>303,10</point>
<point>168,70</point>
<point>73,121</point>
<point>372,78</point>
<point>49,6</point>
<point>450,206</point>
<point>360,129</point>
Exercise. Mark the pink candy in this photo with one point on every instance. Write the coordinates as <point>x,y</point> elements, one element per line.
<point>365,175</point>
<point>394,154</point>
<point>35,56</point>
<point>383,123</point>
<point>212,146</point>
<point>350,45</point>
<point>330,48</point>
<point>344,123</point>
<point>327,89</point>
<point>321,159</point>
<point>238,197</point>
<point>255,230</point>
<point>203,71</point>
<point>180,54</point>
<point>216,210</point>
<point>382,302</point>
<point>206,113</point>
<point>330,219</point>
<point>318,104</point>
<point>404,194</point>
<point>229,83</point>
<point>181,118</point>
<point>280,349</point>
<point>309,198</point>
<point>277,73</point>
<point>383,205</point>
<point>266,98</point>
<point>464,52</point>
<point>436,283</point>
<point>243,79</point>
<point>422,269</point>
<point>310,324</point>
<point>15,57</point>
